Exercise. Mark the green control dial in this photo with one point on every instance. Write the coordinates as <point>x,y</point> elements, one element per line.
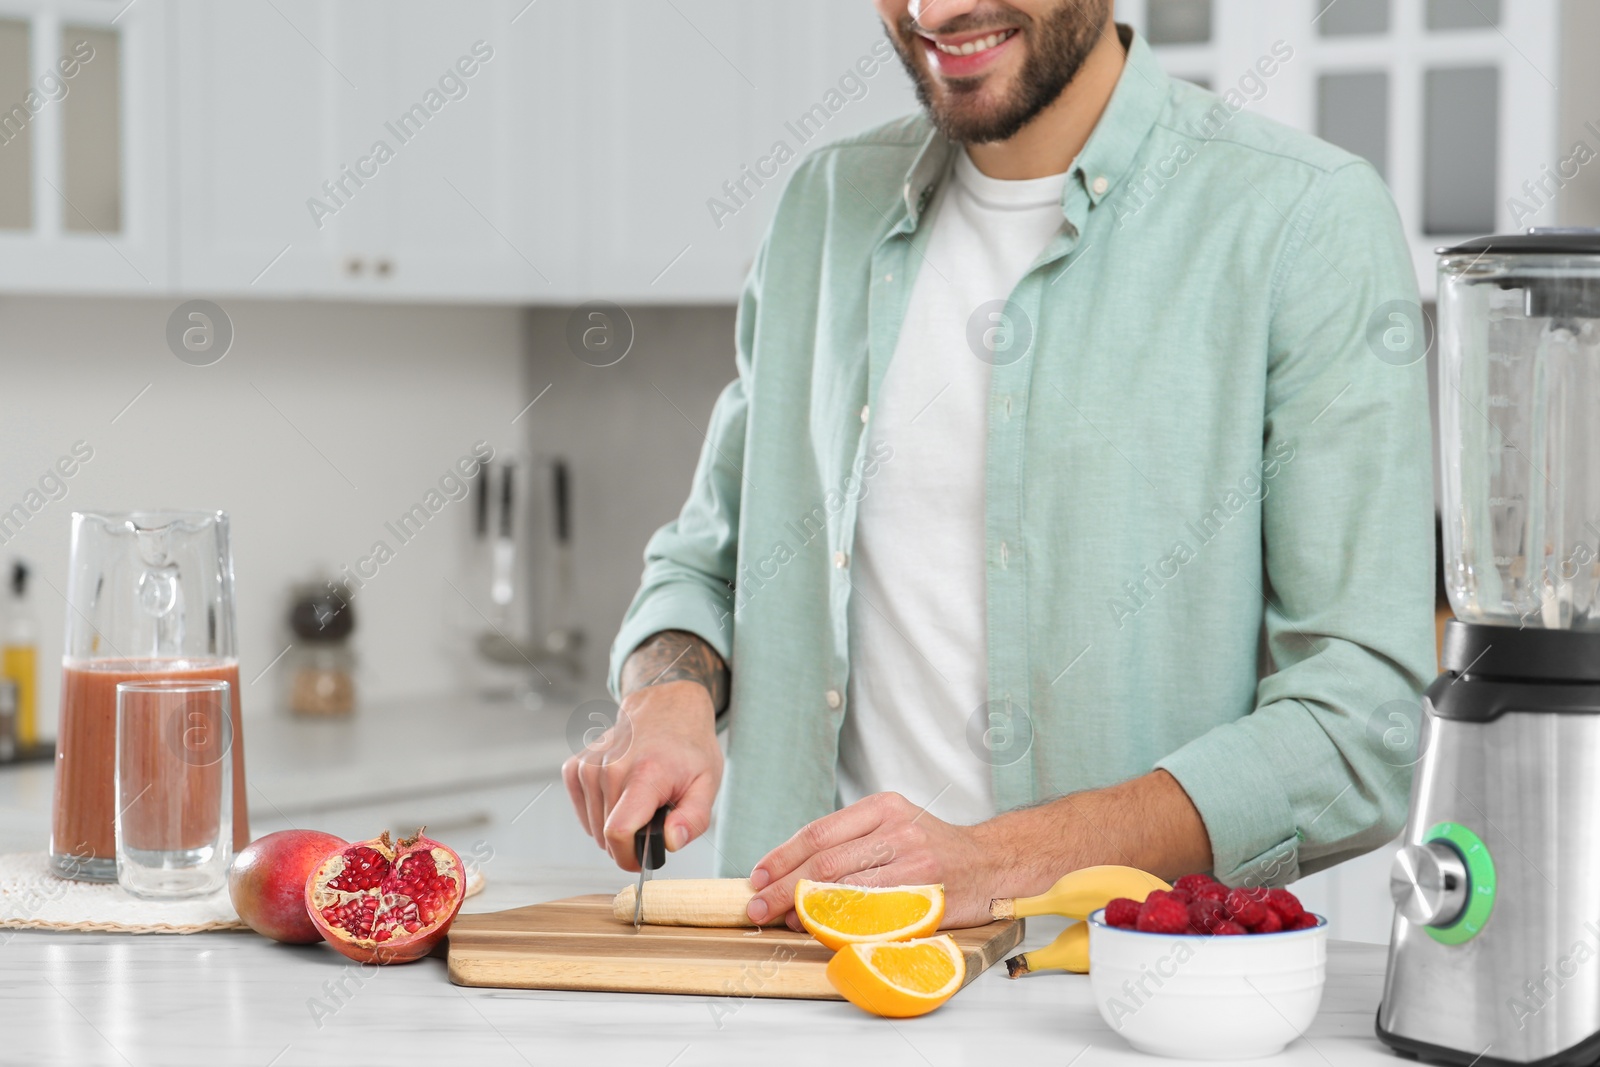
<point>1480,882</point>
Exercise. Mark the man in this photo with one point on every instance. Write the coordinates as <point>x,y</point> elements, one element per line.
<point>1061,512</point>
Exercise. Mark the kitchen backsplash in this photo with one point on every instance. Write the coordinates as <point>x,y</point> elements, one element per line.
<point>631,433</point>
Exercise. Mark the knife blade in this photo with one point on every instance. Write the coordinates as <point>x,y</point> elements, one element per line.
<point>650,849</point>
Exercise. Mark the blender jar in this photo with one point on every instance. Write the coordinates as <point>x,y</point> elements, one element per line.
<point>1519,410</point>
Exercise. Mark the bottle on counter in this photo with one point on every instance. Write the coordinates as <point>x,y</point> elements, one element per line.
<point>321,664</point>
<point>19,655</point>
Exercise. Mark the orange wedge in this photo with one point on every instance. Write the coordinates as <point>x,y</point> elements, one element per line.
<point>840,915</point>
<point>899,979</point>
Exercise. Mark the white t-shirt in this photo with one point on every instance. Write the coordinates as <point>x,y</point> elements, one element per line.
<point>918,655</point>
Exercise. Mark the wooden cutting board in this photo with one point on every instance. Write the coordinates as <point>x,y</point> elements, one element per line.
<point>576,944</point>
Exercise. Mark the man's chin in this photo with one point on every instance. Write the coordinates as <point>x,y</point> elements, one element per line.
<point>969,116</point>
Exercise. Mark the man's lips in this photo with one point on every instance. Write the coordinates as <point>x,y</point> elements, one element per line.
<point>964,55</point>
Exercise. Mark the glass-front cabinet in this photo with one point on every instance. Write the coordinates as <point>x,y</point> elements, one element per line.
<point>83,111</point>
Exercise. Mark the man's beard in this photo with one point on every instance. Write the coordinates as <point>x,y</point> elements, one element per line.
<point>1057,48</point>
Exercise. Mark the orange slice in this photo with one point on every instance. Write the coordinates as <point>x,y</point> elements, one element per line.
<point>899,979</point>
<point>839,915</point>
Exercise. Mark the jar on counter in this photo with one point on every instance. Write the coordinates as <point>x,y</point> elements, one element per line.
<point>321,663</point>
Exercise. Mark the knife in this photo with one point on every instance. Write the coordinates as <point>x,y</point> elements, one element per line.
<point>650,849</point>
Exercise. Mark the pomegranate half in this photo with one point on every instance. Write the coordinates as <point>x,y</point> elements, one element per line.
<point>381,902</point>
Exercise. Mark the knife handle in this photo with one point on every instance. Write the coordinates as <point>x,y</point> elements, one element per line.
<point>650,842</point>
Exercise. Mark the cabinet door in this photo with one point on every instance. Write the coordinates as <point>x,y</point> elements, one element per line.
<point>83,135</point>
<point>424,161</point>
<point>258,104</point>
<point>663,94</point>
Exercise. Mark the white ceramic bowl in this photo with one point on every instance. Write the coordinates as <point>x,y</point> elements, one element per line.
<point>1202,997</point>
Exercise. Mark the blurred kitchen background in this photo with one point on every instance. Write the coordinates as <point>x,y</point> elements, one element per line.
<point>542,261</point>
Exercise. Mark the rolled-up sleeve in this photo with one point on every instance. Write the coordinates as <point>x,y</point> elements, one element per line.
<point>690,564</point>
<point>1320,770</point>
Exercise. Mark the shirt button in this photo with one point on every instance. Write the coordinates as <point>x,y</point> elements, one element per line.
<point>888,277</point>
<point>841,559</point>
<point>834,699</point>
<point>1101,185</point>
<point>864,408</point>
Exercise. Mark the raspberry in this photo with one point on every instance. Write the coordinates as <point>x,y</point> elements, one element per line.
<point>1160,914</point>
<point>1191,883</point>
<point>1305,922</point>
<point>1213,891</point>
<point>1228,926</point>
<point>1182,896</point>
<point>1122,912</point>
<point>1205,914</point>
<point>1286,904</point>
<point>1269,925</point>
<point>1247,907</point>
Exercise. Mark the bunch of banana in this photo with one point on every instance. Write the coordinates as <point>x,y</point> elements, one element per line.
<point>1076,896</point>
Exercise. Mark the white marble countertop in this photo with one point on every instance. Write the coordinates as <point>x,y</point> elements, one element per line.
<point>238,999</point>
<point>301,764</point>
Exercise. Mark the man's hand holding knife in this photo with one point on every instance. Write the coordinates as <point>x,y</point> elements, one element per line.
<point>661,752</point>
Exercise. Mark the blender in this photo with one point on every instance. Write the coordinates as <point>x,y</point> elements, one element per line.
<point>1495,953</point>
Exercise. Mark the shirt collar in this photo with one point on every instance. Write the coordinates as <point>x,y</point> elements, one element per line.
<point>1136,102</point>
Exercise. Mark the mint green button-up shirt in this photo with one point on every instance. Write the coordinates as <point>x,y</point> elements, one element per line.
<point>1208,498</point>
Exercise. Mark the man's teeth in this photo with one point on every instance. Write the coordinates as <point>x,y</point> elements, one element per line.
<point>982,44</point>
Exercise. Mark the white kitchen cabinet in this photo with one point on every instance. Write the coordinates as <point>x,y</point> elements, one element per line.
<point>83,141</point>
<point>581,164</point>
<point>256,118</point>
<point>351,151</point>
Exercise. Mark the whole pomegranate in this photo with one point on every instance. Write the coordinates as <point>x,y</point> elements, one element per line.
<point>267,883</point>
<point>381,902</point>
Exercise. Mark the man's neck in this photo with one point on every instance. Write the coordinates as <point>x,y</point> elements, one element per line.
<point>1050,143</point>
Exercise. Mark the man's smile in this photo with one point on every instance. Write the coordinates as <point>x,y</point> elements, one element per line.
<point>964,55</point>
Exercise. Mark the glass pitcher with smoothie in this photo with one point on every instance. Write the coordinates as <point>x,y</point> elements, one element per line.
<point>149,599</point>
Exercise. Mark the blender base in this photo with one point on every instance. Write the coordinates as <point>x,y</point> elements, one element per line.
<point>1585,1053</point>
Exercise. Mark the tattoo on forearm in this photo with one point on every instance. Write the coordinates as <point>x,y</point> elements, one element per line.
<point>677,656</point>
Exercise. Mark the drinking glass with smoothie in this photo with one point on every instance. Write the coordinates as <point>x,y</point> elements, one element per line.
<point>150,599</point>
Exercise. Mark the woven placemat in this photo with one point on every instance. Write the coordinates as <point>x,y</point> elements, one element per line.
<point>33,898</point>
